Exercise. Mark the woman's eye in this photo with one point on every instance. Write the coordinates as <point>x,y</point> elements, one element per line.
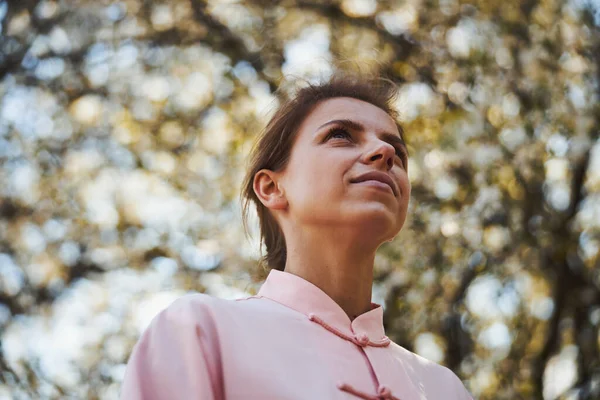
<point>402,155</point>
<point>339,132</point>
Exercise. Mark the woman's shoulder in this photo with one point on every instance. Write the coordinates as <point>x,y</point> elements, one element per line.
<point>415,359</point>
<point>193,301</point>
<point>197,304</point>
<point>431,372</point>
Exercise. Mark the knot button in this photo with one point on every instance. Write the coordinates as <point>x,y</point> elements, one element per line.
<point>384,391</point>
<point>362,339</point>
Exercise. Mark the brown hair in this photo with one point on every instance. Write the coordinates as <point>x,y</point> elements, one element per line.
<point>273,147</point>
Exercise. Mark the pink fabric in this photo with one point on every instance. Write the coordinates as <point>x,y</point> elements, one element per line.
<point>290,341</point>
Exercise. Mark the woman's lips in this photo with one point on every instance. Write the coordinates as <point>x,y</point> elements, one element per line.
<point>376,184</point>
<point>377,176</point>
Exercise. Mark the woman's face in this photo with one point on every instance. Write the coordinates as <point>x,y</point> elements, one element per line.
<point>339,142</point>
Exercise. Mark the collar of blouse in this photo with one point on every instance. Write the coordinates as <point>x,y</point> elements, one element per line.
<point>299,294</point>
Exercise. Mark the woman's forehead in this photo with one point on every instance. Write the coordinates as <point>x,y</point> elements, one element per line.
<point>347,108</point>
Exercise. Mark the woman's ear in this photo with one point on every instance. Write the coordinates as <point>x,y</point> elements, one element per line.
<point>269,190</point>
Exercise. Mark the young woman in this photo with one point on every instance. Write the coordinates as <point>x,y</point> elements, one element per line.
<point>330,183</point>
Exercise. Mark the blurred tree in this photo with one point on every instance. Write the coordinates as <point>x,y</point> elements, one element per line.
<point>124,127</point>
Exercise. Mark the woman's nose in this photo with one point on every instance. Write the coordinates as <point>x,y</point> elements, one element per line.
<point>383,153</point>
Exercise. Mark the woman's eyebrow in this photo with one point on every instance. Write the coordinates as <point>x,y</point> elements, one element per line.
<point>348,123</point>
<point>391,138</point>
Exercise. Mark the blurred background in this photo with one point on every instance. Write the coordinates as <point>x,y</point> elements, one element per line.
<point>124,132</point>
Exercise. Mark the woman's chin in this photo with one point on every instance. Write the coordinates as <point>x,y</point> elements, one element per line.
<point>376,217</point>
<point>375,209</point>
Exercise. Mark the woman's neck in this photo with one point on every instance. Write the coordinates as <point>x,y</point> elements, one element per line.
<point>343,272</point>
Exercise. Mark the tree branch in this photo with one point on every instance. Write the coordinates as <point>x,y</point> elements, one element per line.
<point>224,40</point>
<point>403,44</point>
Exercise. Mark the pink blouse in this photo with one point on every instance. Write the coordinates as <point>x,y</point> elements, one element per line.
<point>290,341</point>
